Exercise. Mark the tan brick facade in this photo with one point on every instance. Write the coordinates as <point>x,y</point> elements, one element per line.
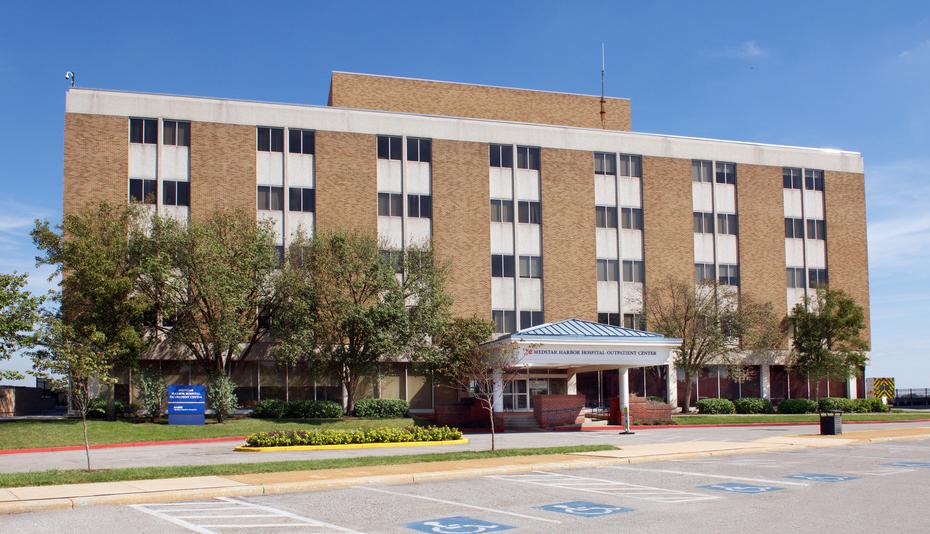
<point>96,160</point>
<point>568,236</point>
<point>847,251</point>
<point>461,223</point>
<point>668,230</point>
<point>222,159</point>
<point>346,182</point>
<point>408,95</point>
<point>760,203</point>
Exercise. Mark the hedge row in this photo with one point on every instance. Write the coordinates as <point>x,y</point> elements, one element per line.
<point>839,404</point>
<point>346,437</point>
<point>715,406</point>
<point>753,405</point>
<point>305,409</point>
<point>381,408</point>
<point>750,405</point>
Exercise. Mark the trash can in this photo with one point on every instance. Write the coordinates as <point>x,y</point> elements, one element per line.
<point>831,424</point>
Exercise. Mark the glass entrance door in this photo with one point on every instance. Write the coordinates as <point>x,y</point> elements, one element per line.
<point>516,395</point>
<point>538,386</point>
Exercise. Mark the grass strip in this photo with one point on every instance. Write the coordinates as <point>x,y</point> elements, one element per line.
<point>792,418</point>
<point>76,476</point>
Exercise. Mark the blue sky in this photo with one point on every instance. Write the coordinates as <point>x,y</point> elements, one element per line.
<point>851,75</point>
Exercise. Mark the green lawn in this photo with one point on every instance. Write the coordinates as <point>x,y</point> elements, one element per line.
<point>27,434</point>
<point>48,478</point>
<point>801,418</point>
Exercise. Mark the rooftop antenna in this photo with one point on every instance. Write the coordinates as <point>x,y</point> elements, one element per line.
<point>603,72</point>
<point>71,77</point>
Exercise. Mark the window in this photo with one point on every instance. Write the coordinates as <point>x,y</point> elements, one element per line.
<point>281,256</point>
<point>270,139</point>
<point>794,228</point>
<point>704,272</point>
<point>791,178</point>
<point>703,223</point>
<point>176,133</point>
<point>420,206</point>
<point>796,277</point>
<point>726,173</point>
<point>530,318</point>
<point>605,216</point>
<point>527,158</point>
<point>727,224</point>
<point>817,278</point>
<point>502,210</point>
<point>636,321</point>
<point>816,229</point>
<point>729,275</point>
<point>530,267</point>
<point>302,199</point>
<point>813,179</point>
<point>634,271</point>
<point>502,266</point>
<point>609,318</point>
<point>301,141</point>
<point>143,131</point>
<point>632,218</point>
<point>270,198</point>
<point>419,149</point>
<point>608,270</point>
<point>390,204</point>
<point>144,191</point>
<point>389,147</point>
<point>394,258</point>
<point>605,164</point>
<point>530,212</point>
<point>631,165</point>
<point>504,320</point>
<point>501,156</point>
<point>701,170</point>
<point>175,193</point>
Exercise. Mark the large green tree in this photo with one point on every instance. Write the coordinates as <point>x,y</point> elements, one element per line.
<point>18,314</point>
<point>827,337</point>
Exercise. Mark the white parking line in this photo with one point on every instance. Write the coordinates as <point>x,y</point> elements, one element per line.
<point>707,475</point>
<point>606,487</point>
<point>459,504</point>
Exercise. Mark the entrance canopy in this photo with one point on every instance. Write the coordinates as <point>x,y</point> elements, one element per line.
<point>578,343</point>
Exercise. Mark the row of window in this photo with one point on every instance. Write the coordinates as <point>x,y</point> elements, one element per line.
<point>272,140</point>
<point>707,272</point>
<point>727,223</point>
<point>502,266</point>
<point>392,205</point>
<point>502,156</point>
<point>606,217</point>
<point>271,198</point>
<point>506,320</point>
<point>391,147</point>
<point>634,321</point>
<point>702,170</point>
<point>609,271</point>
<point>815,277</point>
<point>816,228</point>
<point>528,211</point>
<point>606,164</point>
<point>813,179</point>
<point>174,193</point>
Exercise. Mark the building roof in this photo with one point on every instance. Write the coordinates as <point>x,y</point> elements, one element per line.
<point>574,330</point>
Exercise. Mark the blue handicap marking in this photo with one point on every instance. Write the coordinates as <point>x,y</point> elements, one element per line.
<point>910,464</point>
<point>820,477</point>
<point>584,508</point>
<point>734,487</point>
<point>457,525</point>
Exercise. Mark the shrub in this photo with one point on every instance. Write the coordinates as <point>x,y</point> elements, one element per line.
<point>152,391</point>
<point>269,409</point>
<point>836,404</point>
<point>381,408</point>
<point>753,405</point>
<point>715,406</point>
<point>794,406</point>
<point>312,409</point>
<point>221,392</point>
<point>345,437</point>
<point>870,406</point>
<point>98,409</point>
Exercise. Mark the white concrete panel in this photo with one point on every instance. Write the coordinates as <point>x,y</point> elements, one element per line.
<point>418,232</point>
<point>501,293</point>
<point>178,213</point>
<point>608,297</point>
<point>501,182</point>
<point>605,190</point>
<point>175,163</point>
<point>298,221</point>
<point>501,238</point>
<point>277,221</point>
<point>606,243</point>
<point>527,184</point>
<point>794,252</point>
<point>726,249</point>
<point>389,176</point>
<point>702,197</point>
<point>630,195</point>
<point>269,168</point>
<point>726,198</point>
<point>792,203</point>
<point>795,297</point>
<point>390,231</point>
<point>816,254</point>
<point>703,248</point>
<point>813,204</point>
<point>632,244</point>
<point>418,178</point>
<point>528,239</point>
<point>142,160</point>
<point>529,293</point>
<point>632,297</point>
<point>299,170</point>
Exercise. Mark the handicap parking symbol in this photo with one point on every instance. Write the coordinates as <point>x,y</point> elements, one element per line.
<point>819,477</point>
<point>734,487</point>
<point>457,525</point>
<point>584,508</point>
<point>910,464</point>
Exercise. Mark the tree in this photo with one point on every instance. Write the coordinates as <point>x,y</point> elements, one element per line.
<point>828,340</point>
<point>76,359</point>
<point>343,309</point>
<point>152,391</point>
<point>713,323</point>
<point>222,396</point>
<point>19,311</point>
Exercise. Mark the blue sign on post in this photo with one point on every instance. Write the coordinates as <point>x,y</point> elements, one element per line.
<point>186,404</point>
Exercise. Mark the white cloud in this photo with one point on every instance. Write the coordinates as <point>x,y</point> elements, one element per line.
<point>898,199</point>
<point>915,51</point>
<point>745,50</point>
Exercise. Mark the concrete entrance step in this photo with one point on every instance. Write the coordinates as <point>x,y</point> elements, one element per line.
<point>521,422</point>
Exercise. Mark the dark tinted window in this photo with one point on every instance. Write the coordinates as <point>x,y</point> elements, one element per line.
<point>504,320</point>
<point>631,165</point>
<point>726,173</point>
<point>293,141</point>
<point>791,178</point>
<point>501,155</point>
<point>794,228</point>
<point>605,163</point>
<point>701,170</point>
<point>527,158</point>
<point>530,318</point>
<point>270,198</point>
<point>389,147</point>
<point>501,210</point>
<point>420,206</point>
<point>632,218</point>
<point>502,266</point>
<point>608,270</point>
<point>727,223</point>
<point>169,135</point>
<point>151,131</point>
<point>264,139</point>
<point>605,216</point>
<point>634,271</point>
<point>301,199</point>
<point>277,140</point>
<point>144,191</point>
<point>609,318</point>
<point>530,212</point>
<point>136,129</point>
<point>814,179</point>
<point>419,149</point>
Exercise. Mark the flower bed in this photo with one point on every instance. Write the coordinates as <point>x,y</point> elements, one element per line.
<point>292,438</point>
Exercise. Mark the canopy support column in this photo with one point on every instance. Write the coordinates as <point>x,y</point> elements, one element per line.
<point>625,399</point>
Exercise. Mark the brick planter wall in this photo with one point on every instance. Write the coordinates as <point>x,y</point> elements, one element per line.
<point>642,411</point>
<point>558,410</point>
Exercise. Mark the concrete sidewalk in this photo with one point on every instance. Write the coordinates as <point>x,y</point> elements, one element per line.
<point>13,500</point>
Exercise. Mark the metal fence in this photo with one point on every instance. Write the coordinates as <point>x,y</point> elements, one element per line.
<point>912,397</point>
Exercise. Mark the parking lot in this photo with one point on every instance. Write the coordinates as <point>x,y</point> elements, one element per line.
<point>866,488</point>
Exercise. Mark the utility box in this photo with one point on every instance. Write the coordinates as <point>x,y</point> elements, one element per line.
<point>831,424</point>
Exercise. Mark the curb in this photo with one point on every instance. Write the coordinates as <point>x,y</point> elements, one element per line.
<point>120,445</point>
<point>246,448</point>
<point>599,428</point>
